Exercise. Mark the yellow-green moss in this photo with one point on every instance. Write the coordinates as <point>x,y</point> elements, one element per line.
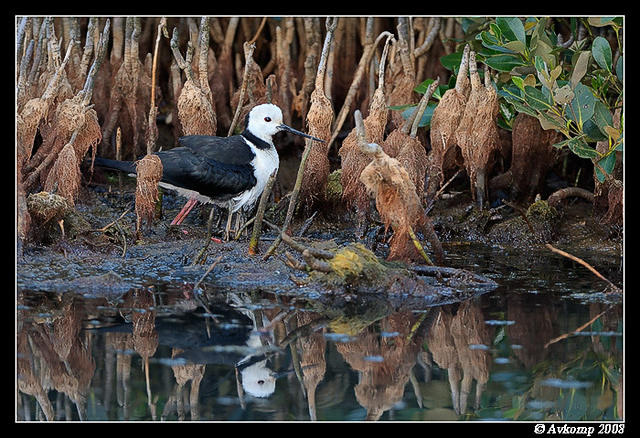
<point>353,263</point>
<point>541,210</point>
<point>334,187</point>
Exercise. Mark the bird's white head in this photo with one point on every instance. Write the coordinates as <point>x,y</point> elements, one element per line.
<point>265,121</point>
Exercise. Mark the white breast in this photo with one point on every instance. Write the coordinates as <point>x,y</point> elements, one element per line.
<point>264,163</point>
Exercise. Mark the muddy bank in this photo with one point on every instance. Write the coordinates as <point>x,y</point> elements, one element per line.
<point>98,253</point>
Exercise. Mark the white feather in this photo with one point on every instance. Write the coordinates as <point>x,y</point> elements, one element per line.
<point>264,164</point>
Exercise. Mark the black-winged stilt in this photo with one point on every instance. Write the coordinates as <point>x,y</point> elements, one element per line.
<point>228,171</point>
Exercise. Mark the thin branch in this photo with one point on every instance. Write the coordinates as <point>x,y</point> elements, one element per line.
<point>248,56</point>
<point>87,90</point>
<point>331,25</point>
<point>257,225</point>
<point>422,106</point>
<point>579,329</point>
<point>255,37</point>
<point>213,265</point>
<point>583,263</point>
<point>428,41</point>
<point>162,26</point>
<point>182,63</point>
<point>419,247</point>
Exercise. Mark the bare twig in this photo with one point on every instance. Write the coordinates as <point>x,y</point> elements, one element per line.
<point>87,90</point>
<point>583,263</point>
<point>248,56</point>
<point>200,254</point>
<point>110,224</point>
<point>182,63</point>
<point>315,252</point>
<point>422,106</point>
<point>419,247</point>
<point>255,37</point>
<point>428,41</point>
<point>209,269</point>
<point>579,329</point>
<point>257,225</point>
<point>162,26</point>
<point>307,223</point>
<point>153,109</point>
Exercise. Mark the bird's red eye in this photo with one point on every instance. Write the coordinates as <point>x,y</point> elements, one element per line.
<point>267,119</point>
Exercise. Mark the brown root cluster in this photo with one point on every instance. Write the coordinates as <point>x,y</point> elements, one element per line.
<point>54,353</point>
<point>149,173</point>
<point>388,181</point>
<point>397,201</point>
<point>353,159</point>
<point>382,384</point>
<point>533,155</point>
<point>477,132</point>
<point>196,109</point>
<point>444,121</point>
<point>56,123</point>
<point>319,120</point>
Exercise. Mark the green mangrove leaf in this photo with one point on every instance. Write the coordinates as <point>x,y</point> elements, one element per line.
<point>522,108</point>
<point>511,92</point>
<point>516,46</point>
<point>601,51</point>
<point>580,68</point>
<point>555,73</point>
<point>495,31</point>
<point>451,61</point>
<point>540,34</point>
<point>512,28</point>
<point>491,44</point>
<point>545,51</point>
<point>582,105</point>
<point>437,93</point>
<point>619,68</point>
<point>402,107</point>
<point>592,131</point>
<point>550,120</point>
<point>425,120</point>
<point>578,146</point>
<point>540,65</point>
<point>504,62</point>
<point>602,116</point>
<point>536,99</point>
<point>608,162</point>
<point>518,81</point>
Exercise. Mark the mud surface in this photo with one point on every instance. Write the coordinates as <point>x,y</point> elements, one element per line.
<point>99,253</point>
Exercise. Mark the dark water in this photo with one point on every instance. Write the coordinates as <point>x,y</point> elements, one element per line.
<point>162,353</point>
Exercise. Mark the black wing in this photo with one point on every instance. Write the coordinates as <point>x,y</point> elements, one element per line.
<point>183,167</point>
<point>228,150</point>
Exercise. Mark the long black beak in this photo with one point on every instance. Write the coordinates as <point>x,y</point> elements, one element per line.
<point>284,127</point>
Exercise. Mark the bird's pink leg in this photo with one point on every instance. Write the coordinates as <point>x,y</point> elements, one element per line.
<point>184,212</point>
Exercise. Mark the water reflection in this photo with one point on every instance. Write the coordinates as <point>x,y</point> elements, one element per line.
<point>165,354</point>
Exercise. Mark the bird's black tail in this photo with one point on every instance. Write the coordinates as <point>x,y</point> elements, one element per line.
<point>124,166</point>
